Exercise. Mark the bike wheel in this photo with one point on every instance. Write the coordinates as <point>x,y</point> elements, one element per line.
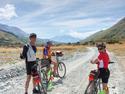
<point>40,89</point>
<point>90,88</point>
<point>61,70</point>
<point>44,82</point>
<point>37,89</point>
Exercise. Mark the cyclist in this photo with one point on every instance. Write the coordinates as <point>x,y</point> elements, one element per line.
<point>29,54</point>
<point>47,54</point>
<point>102,61</point>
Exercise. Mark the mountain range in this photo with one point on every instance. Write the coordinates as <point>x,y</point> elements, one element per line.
<point>10,35</point>
<point>14,30</point>
<point>14,35</point>
<point>113,34</point>
<point>7,38</point>
<point>65,39</point>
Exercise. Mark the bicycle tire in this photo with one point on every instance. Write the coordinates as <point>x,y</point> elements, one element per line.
<point>44,82</point>
<point>90,88</point>
<point>60,65</point>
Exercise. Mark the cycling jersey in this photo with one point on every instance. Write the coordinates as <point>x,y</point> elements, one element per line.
<point>103,60</point>
<point>28,53</point>
<point>47,52</point>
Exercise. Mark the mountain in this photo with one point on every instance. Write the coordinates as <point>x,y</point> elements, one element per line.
<point>114,34</point>
<point>15,30</point>
<point>7,38</point>
<point>38,42</point>
<point>14,35</point>
<point>65,39</point>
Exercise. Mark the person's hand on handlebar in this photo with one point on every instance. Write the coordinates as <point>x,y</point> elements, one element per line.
<point>53,53</point>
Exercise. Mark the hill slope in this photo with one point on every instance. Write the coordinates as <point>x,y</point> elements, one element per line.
<point>14,35</point>
<point>7,38</point>
<point>115,33</point>
<point>15,30</point>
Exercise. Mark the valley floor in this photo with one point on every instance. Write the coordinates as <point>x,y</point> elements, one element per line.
<point>78,68</point>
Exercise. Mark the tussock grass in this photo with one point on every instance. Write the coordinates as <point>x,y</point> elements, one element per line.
<point>12,55</point>
<point>118,49</point>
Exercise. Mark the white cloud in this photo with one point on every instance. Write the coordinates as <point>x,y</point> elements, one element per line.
<point>7,12</point>
<point>46,7</point>
<point>81,35</point>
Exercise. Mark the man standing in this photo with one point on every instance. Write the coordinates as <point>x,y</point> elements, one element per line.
<point>29,54</point>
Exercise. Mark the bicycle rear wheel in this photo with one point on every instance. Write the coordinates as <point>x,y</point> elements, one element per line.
<point>61,70</point>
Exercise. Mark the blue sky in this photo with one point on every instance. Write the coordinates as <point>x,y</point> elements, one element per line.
<point>49,18</point>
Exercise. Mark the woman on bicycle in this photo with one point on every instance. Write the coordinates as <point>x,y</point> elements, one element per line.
<point>47,54</point>
<point>102,61</point>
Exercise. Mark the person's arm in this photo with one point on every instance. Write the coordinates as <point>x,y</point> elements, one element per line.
<point>24,52</point>
<point>95,61</point>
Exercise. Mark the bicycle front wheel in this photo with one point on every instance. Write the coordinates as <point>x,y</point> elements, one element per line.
<point>90,88</point>
<point>44,82</point>
<point>61,70</point>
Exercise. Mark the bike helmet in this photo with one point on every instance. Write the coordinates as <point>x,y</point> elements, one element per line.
<point>101,46</point>
<point>32,35</point>
<point>49,43</point>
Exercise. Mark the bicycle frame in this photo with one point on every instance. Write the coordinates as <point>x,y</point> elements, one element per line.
<point>57,58</point>
<point>94,85</point>
<point>39,81</point>
<point>97,85</point>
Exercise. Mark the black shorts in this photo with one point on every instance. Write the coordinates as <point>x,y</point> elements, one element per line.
<point>104,75</point>
<point>29,66</point>
<point>46,62</point>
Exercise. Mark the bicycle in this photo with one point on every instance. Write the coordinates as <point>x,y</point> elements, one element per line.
<point>94,86</point>
<point>45,76</point>
<point>39,76</point>
<point>61,69</point>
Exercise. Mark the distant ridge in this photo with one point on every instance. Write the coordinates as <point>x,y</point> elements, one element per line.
<point>7,38</point>
<point>65,39</point>
<point>14,30</point>
<point>10,35</point>
<point>114,34</point>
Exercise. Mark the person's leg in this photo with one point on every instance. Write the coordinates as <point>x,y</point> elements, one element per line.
<point>105,88</point>
<point>27,83</point>
<point>105,79</point>
<point>33,71</point>
<point>55,67</point>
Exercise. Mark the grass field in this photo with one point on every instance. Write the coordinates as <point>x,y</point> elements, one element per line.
<point>12,55</point>
<point>118,49</point>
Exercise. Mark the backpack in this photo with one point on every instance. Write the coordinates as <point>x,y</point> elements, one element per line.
<point>21,54</point>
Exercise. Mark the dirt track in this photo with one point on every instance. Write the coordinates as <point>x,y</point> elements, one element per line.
<point>78,68</point>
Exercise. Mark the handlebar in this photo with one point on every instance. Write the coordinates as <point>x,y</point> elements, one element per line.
<point>111,62</point>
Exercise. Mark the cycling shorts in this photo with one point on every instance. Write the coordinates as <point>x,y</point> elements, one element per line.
<point>29,66</point>
<point>104,75</point>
